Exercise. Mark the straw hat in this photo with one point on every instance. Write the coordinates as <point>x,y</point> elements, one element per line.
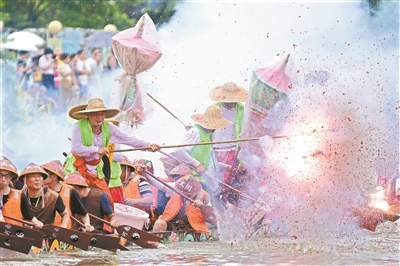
<point>76,179</point>
<point>228,93</point>
<point>55,167</point>
<point>169,161</point>
<point>7,165</point>
<point>33,169</point>
<point>188,185</point>
<point>94,105</point>
<point>212,118</point>
<point>127,162</point>
<point>181,170</point>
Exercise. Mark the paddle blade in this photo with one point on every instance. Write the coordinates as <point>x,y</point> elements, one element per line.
<point>75,238</point>
<point>110,243</point>
<point>139,237</point>
<point>19,244</point>
<point>22,232</point>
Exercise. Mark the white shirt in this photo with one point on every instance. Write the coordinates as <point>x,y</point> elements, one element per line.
<point>226,133</point>
<point>64,68</point>
<point>44,61</point>
<point>83,78</point>
<point>94,80</point>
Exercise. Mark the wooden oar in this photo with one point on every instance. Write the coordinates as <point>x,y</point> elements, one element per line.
<point>100,240</point>
<point>188,144</point>
<point>16,243</point>
<point>165,108</point>
<point>22,232</point>
<point>75,238</point>
<point>137,236</point>
<point>207,210</point>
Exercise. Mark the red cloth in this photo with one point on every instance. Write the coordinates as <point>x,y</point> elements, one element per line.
<point>80,164</point>
<point>116,193</point>
<point>226,157</point>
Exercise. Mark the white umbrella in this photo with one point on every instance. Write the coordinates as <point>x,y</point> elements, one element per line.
<point>24,41</point>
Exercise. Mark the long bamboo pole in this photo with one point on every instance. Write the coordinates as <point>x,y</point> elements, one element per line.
<point>217,142</point>
<point>165,108</point>
<point>186,145</point>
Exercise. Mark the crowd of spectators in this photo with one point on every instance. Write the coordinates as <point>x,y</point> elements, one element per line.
<point>58,81</point>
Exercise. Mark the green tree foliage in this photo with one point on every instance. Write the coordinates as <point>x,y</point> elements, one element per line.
<point>94,14</point>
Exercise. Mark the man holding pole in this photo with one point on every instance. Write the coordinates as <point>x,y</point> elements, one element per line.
<point>183,211</point>
<point>202,157</point>
<point>90,137</point>
<point>228,98</point>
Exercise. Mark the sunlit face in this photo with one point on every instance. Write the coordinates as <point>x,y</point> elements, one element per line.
<point>5,178</point>
<point>34,181</point>
<point>96,118</point>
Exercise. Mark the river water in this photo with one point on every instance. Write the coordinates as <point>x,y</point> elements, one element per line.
<point>381,247</point>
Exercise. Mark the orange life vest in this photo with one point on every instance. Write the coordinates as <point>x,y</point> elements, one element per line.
<point>65,194</point>
<point>194,214</point>
<point>131,190</point>
<point>13,207</point>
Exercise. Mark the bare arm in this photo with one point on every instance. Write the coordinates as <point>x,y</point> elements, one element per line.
<point>86,221</point>
<point>113,220</point>
<point>36,223</point>
<point>145,201</point>
<point>65,218</point>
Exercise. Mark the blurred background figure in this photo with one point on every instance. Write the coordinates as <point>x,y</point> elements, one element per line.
<point>47,65</point>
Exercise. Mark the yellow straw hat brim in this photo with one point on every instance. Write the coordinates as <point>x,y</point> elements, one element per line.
<point>228,93</point>
<point>211,124</point>
<point>211,119</point>
<point>94,105</point>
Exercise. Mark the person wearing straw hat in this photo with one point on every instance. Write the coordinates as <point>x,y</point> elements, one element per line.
<point>13,202</point>
<point>95,201</point>
<point>69,195</point>
<point>43,202</point>
<point>228,97</point>
<point>180,209</point>
<point>90,138</point>
<point>202,157</point>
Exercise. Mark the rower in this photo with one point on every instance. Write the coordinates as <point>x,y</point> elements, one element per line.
<point>43,202</point>
<point>95,202</point>
<point>181,211</point>
<point>13,202</point>
<point>70,196</point>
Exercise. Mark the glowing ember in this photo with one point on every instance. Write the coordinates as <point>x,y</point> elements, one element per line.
<point>377,199</point>
<point>299,156</point>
